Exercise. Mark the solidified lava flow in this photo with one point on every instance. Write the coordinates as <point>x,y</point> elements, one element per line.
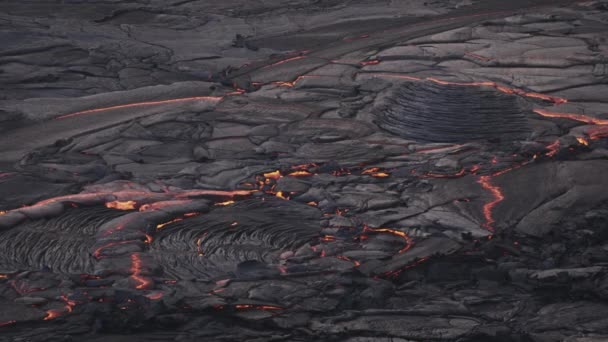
<point>304,171</point>
<point>433,112</point>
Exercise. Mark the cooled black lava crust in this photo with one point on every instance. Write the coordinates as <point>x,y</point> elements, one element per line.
<point>431,112</point>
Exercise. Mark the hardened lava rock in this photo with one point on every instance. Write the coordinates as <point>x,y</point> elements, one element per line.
<point>431,112</point>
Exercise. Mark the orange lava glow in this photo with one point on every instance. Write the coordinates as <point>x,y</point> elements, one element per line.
<point>375,172</point>
<point>154,296</point>
<point>553,149</point>
<point>142,283</point>
<point>293,83</point>
<point>370,171</point>
<point>162,225</point>
<point>577,117</point>
<point>122,205</point>
<point>54,313</point>
<point>300,174</point>
<point>403,235</point>
<point>460,173</point>
<point>328,238</point>
<point>284,61</point>
<point>282,195</point>
<point>504,89</point>
<point>273,175</point>
<point>488,207</point>
<point>582,141</point>
<point>97,252</point>
<point>345,258</point>
<point>143,104</point>
<point>412,265</point>
<point>598,132</point>
<point>223,204</point>
<point>370,62</point>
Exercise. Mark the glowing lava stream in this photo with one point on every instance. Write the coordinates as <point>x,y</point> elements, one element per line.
<point>408,240</point>
<point>142,283</point>
<point>506,90</point>
<point>54,313</point>
<point>572,116</point>
<point>141,104</point>
<point>495,190</point>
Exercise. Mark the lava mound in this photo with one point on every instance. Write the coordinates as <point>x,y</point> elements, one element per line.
<point>431,112</point>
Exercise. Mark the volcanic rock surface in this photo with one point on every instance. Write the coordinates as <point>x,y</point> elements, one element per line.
<point>304,171</point>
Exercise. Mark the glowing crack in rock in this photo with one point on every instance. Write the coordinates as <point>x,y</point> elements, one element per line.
<point>488,207</point>
<point>143,104</point>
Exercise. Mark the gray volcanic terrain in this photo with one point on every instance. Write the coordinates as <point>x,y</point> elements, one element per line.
<point>304,170</point>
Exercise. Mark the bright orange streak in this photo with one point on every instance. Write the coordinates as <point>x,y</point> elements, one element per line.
<point>506,90</point>
<point>280,194</point>
<point>300,174</point>
<point>345,258</point>
<point>403,235</point>
<point>572,116</point>
<point>381,175</point>
<point>553,149</point>
<point>370,171</point>
<point>582,141</point>
<point>273,175</point>
<point>293,83</point>
<point>162,225</point>
<point>468,84</point>
<point>54,313</point>
<point>284,61</point>
<point>136,272</point>
<point>486,183</point>
<point>598,132</point>
<point>142,104</point>
<point>223,204</point>
<point>438,175</point>
<point>121,205</point>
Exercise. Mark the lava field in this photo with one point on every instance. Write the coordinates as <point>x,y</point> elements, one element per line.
<point>306,170</point>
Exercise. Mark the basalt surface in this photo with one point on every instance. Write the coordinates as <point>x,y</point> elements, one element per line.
<point>304,171</point>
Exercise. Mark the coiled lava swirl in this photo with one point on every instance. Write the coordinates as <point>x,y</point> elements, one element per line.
<point>431,112</point>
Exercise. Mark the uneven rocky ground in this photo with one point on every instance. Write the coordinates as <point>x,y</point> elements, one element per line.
<point>304,171</point>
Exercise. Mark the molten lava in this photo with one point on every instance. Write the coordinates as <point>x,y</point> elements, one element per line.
<point>403,235</point>
<point>291,59</point>
<point>143,104</point>
<point>122,205</point>
<point>503,89</point>
<point>496,191</point>
<point>136,270</point>
<point>577,117</point>
<point>553,149</point>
